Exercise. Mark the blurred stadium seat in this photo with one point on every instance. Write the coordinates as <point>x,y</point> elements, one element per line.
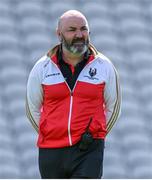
<point>119,29</point>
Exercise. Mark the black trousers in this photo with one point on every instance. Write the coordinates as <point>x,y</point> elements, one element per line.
<point>71,162</point>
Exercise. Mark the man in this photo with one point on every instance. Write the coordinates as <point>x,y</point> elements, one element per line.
<point>73,101</point>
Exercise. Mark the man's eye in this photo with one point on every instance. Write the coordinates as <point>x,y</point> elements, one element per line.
<point>84,29</point>
<point>71,30</point>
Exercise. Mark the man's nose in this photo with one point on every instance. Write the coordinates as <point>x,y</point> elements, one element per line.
<point>79,34</point>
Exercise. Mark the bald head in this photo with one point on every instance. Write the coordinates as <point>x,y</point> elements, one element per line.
<point>73,32</point>
<point>71,14</point>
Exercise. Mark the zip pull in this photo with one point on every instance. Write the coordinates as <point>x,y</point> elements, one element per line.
<point>87,129</point>
<point>71,93</point>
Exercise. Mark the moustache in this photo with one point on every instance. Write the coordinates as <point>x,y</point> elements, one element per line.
<point>78,40</point>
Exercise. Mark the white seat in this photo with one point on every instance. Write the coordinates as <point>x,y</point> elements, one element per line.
<point>30,8</point>
<point>9,171</point>
<point>141,160</point>
<point>114,172</point>
<point>38,40</point>
<point>113,156</point>
<point>7,24</point>
<point>129,105</point>
<point>30,159</point>
<point>1,106</point>
<point>17,89</point>
<point>138,42</point>
<point>97,8</point>
<point>7,155</point>
<point>5,138</point>
<point>136,141</point>
<point>141,155</point>
<point>142,62</point>
<point>112,139</point>
<point>143,172</point>
<point>134,25</point>
<point>33,172</point>
<point>18,108</point>
<point>38,44</point>
<point>31,25</point>
<point>116,56</point>
<point>56,9</point>
<point>99,26</point>
<point>12,76</point>
<point>12,57</point>
<point>9,38</point>
<point>8,164</point>
<point>149,108</point>
<point>143,58</point>
<point>149,11</point>
<point>105,42</point>
<point>128,9</point>
<point>16,70</point>
<point>5,8</point>
<point>35,55</point>
<point>24,127</point>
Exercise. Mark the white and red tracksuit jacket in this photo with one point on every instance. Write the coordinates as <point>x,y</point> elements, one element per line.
<point>61,115</point>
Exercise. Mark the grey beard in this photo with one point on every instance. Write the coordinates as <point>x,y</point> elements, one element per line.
<point>73,49</point>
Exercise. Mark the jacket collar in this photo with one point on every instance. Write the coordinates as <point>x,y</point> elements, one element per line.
<point>52,54</point>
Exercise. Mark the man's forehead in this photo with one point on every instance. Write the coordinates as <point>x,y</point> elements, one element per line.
<point>72,18</point>
<point>73,21</point>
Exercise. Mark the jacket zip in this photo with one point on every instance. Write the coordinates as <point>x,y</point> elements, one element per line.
<point>71,101</point>
<point>69,119</point>
<point>70,113</point>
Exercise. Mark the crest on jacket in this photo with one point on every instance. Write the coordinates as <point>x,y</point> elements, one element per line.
<point>92,73</point>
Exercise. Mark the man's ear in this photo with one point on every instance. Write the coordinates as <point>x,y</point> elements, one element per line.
<point>58,33</point>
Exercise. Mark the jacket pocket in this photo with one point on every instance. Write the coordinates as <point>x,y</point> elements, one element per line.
<point>43,127</point>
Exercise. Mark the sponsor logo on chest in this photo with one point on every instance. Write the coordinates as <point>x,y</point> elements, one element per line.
<point>52,74</point>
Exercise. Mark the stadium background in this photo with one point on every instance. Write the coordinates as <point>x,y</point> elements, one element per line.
<point>122,30</point>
